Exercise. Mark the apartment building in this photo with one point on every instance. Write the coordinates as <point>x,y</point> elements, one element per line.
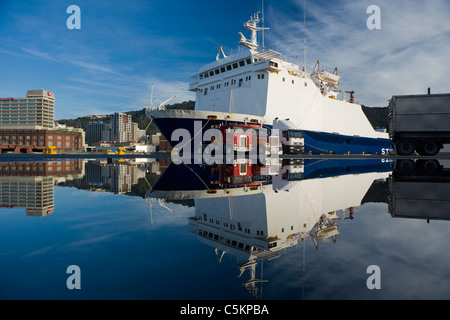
<point>121,127</point>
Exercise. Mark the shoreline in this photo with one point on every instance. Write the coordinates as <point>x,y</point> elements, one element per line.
<point>165,155</point>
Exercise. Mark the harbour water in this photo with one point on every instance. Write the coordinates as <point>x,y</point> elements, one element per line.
<point>322,232</point>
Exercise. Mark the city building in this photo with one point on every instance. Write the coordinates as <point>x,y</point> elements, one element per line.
<point>35,194</point>
<point>30,185</point>
<point>29,141</point>
<point>121,127</point>
<point>122,130</point>
<point>119,177</point>
<point>27,125</point>
<point>98,131</point>
<point>35,111</point>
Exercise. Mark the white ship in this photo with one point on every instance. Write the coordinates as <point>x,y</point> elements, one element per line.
<point>259,86</point>
<point>256,219</point>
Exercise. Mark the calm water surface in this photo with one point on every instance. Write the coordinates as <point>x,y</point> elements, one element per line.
<point>153,230</point>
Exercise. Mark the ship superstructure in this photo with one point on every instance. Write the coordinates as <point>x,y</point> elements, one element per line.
<point>256,85</point>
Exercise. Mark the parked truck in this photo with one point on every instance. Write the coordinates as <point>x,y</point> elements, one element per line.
<point>420,189</point>
<point>292,140</point>
<point>419,123</point>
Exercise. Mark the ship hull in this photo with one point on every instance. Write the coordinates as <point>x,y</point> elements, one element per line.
<point>330,143</point>
<point>193,181</point>
<point>196,123</point>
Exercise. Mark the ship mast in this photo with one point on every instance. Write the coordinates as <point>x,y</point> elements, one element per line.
<point>304,35</point>
<point>252,25</point>
<point>262,10</point>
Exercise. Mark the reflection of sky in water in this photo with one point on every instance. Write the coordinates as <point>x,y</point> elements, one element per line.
<point>121,254</point>
<point>124,252</point>
<point>411,254</point>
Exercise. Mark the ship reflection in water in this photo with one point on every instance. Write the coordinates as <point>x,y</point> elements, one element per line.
<point>258,213</point>
<point>254,221</point>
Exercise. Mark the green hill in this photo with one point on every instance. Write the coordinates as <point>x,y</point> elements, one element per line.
<point>136,116</point>
<point>378,117</point>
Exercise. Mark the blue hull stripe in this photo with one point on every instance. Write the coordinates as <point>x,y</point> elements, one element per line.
<point>190,177</point>
<point>319,168</point>
<point>322,142</point>
<point>315,142</point>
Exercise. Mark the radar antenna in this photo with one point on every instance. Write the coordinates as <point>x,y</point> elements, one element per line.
<point>252,25</point>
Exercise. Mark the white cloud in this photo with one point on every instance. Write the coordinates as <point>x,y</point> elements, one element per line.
<point>108,94</point>
<point>39,54</point>
<point>91,66</point>
<point>408,54</point>
<point>163,90</point>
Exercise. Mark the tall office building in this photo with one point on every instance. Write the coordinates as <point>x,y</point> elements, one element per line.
<point>30,185</point>
<point>36,194</point>
<point>120,177</point>
<point>98,131</point>
<point>27,125</point>
<point>35,111</point>
<point>121,127</point>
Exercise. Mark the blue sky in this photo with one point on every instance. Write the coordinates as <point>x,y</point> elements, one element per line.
<point>123,47</point>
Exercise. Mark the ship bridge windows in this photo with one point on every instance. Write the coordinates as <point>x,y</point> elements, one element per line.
<point>225,68</point>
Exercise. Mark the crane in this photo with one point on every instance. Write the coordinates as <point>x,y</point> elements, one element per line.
<point>160,107</point>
